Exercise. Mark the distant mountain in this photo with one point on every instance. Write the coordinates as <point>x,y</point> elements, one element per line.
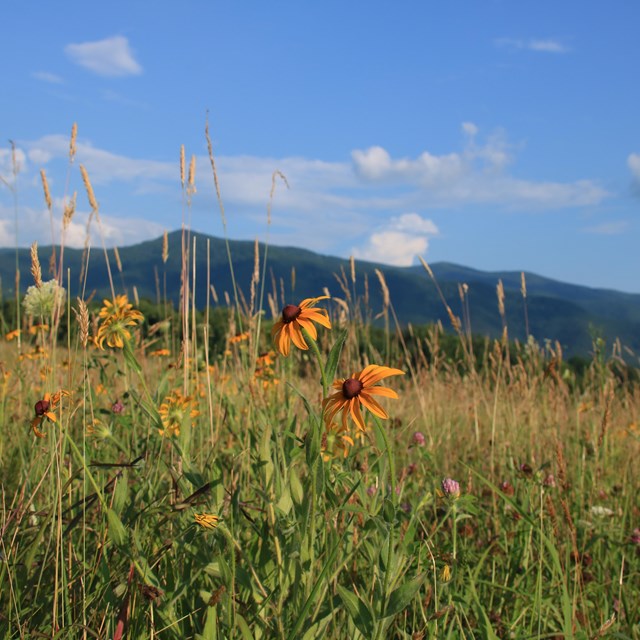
<point>568,313</point>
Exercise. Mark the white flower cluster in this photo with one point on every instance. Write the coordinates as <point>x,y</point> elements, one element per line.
<point>43,301</point>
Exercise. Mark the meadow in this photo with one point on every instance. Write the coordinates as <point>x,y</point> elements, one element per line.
<point>305,473</point>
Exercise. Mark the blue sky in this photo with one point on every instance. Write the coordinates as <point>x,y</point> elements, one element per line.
<point>494,134</point>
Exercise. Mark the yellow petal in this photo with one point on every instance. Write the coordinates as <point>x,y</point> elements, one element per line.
<point>374,373</point>
<point>372,405</point>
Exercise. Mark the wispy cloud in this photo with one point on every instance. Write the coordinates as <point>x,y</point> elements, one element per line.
<point>399,242</point>
<point>45,76</point>
<point>35,225</point>
<point>544,45</point>
<point>613,228</point>
<point>109,57</point>
<point>381,207</point>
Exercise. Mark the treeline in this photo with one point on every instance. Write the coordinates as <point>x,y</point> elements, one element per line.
<point>417,346</point>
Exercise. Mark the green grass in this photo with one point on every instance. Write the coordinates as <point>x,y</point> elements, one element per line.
<point>98,535</point>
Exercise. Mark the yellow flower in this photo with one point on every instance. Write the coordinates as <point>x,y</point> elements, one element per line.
<point>359,390</point>
<point>294,319</point>
<point>174,410</point>
<point>206,520</point>
<point>12,334</point>
<point>336,441</point>
<point>239,338</point>
<point>160,353</point>
<point>45,409</point>
<point>116,316</point>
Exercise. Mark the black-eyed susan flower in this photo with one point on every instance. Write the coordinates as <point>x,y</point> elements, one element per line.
<point>206,520</point>
<point>174,411</point>
<point>295,318</point>
<point>116,318</point>
<point>45,409</point>
<point>336,442</point>
<point>358,390</point>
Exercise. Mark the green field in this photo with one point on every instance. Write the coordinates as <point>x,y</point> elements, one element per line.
<point>163,478</point>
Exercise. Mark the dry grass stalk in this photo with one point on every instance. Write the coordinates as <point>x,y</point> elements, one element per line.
<point>214,294</point>
<point>36,270</point>
<point>352,264</point>
<point>82,315</point>
<point>45,186</point>
<point>116,254</point>
<point>274,175</point>
<point>293,279</point>
<point>135,295</point>
<point>72,142</point>
<point>69,210</point>
<point>215,176</point>
<point>500,294</point>
<point>191,182</point>
<point>182,165</point>
<point>87,185</point>
<point>606,416</point>
<point>165,247</point>
<point>523,285</point>
<point>386,300</point>
<point>255,276</point>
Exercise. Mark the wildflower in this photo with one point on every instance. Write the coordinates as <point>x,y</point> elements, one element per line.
<point>336,441</point>
<point>507,488</point>
<point>419,439</point>
<point>45,409</point>
<point>174,411</point>
<point>549,480</point>
<point>160,353</point>
<point>241,337</point>
<point>206,520</point>
<point>294,319</point>
<point>445,574</point>
<point>45,300</point>
<point>635,537</point>
<point>116,317</point>
<point>450,488</point>
<point>13,334</point>
<point>371,491</point>
<point>359,390</point>
<point>117,407</point>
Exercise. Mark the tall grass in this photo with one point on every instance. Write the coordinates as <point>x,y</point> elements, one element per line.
<point>314,533</point>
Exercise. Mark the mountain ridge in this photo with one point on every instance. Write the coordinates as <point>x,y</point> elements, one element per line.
<point>569,313</point>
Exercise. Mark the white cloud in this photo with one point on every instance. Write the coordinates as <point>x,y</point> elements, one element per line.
<point>333,206</point>
<point>45,76</point>
<point>470,129</point>
<point>613,228</point>
<point>34,224</point>
<point>11,161</point>
<point>633,162</point>
<point>544,45</point>
<point>404,238</point>
<point>376,165</point>
<point>108,57</point>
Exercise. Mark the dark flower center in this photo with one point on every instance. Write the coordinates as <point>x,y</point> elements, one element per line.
<point>42,406</point>
<point>290,313</point>
<point>351,387</point>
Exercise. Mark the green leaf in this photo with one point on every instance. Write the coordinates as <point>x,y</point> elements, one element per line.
<point>130,358</point>
<point>297,492</point>
<point>117,532</point>
<point>334,357</point>
<point>358,611</point>
<point>285,503</point>
<point>241,623</point>
<point>403,595</point>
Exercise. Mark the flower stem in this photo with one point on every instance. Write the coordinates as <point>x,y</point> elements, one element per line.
<point>314,347</point>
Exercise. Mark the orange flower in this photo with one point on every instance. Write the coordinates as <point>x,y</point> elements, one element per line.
<point>359,390</point>
<point>44,409</point>
<point>294,319</point>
